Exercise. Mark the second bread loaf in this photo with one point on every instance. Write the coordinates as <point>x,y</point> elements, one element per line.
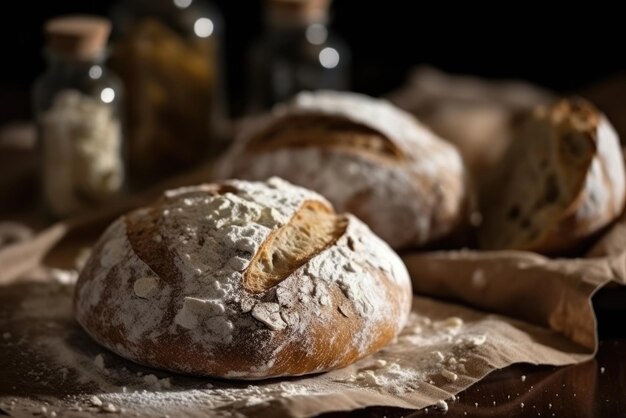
<point>366,156</point>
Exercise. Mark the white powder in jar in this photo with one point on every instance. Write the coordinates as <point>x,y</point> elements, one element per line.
<point>81,142</point>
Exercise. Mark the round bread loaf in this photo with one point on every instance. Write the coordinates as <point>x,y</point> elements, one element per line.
<point>242,280</point>
<point>366,156</point>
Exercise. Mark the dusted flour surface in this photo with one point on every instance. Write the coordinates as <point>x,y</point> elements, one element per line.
<point>441,350</point>
<point>191,300</point>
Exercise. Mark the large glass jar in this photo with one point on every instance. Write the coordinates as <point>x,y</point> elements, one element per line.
<point>77,105</point>
<point>167,53</point>
<point>296,52</point>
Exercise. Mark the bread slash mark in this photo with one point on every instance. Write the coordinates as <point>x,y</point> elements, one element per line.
<point>322,131</point>
<point>311,230</point>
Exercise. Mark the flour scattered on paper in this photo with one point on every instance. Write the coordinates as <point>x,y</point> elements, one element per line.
<point>422,332</point>
<point>442,405</point>
<point>428,352</point>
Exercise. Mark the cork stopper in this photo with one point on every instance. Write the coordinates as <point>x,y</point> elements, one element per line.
<point>298,11</point>
<point>82,37</point>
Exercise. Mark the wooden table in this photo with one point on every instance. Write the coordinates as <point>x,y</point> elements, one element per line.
<point>596,388</point>
<point>592,389</point>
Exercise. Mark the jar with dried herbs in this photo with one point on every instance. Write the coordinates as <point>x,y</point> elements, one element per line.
<point>167,53</point>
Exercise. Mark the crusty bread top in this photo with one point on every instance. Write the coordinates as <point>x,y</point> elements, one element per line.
<point>377,114</point>
<point>239,264</point>
<point>324,131</point>
<point>405,135</point>
<point>366,156</point>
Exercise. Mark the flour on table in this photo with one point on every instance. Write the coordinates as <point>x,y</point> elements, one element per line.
<point>61,356</point>
<point>99,362</point>
<point>442,405</point>
<point>447,363</point>
<point>478,279</point>
<point>145,287</point>
<point>390,377</point>
<point>155,383</point>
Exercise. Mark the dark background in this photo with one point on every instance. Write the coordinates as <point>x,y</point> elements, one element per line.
<point>564,49</point>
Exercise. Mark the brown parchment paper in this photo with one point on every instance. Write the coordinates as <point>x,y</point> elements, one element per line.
<point>475,312</point>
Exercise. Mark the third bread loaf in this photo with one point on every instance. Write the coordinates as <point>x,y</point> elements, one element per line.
<point>561,181</point>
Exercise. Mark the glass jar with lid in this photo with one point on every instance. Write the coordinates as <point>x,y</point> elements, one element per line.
<point>167,54</point>
<point>77,104</point>
<point>296,52</point>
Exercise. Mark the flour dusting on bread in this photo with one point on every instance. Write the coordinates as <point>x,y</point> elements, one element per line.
<point>137,293</point>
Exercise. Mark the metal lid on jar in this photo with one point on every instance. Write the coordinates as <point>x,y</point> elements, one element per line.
<point>78,36</point>
<point>297,11</point>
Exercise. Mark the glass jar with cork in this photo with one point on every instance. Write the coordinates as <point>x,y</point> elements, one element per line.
<point>77,107</point>
<point>167,52</point>
<point>297,52</point>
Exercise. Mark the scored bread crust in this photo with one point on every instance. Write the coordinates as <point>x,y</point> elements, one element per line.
<point>597,180</point>
<point>179,285</point>
<point>364,155</point>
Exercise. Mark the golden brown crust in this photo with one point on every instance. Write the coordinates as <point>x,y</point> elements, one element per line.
<point>318,130</point>
<point>365,310</point>
<point>326,350</point>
